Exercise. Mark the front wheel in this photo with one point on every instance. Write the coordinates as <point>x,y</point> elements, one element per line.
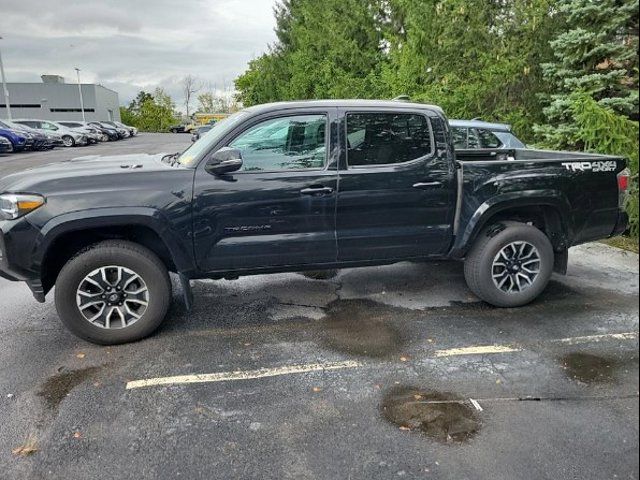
<point>68,141</point>
<point>510,264</point>
<point>113,292</point>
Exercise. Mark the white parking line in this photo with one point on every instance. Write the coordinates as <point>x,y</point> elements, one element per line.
<point>319,367</point>
<point>476,350</point>
<point>242,375</point>
<point>597,338</point>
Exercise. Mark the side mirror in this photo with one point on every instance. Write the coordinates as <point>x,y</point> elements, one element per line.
<point>225,160</point>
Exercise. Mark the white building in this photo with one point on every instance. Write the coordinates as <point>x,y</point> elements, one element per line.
<point>53,99</point>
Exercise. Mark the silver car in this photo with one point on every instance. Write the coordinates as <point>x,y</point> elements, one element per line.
<point>476,134</point>
<point>70,138</point>
<point>92,132</point>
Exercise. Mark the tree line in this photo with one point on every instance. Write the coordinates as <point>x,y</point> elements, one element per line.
<point>563,73</point>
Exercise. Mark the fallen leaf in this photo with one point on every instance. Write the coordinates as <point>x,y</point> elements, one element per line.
<point>77,435</point>
<point>29,448</point>
<point>317,389</point>
<point>404,429</point>
<point>498,381</point>
<point>417,397</point>
<point>80,355</point>
<point>96,384</point>
<point>430,340</point>
<point>403,359</point>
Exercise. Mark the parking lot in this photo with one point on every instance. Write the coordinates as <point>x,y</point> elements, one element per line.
<point>376,373</point>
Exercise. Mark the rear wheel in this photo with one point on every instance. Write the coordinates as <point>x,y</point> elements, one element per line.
<point>113,292</point>
<point>510,264</point>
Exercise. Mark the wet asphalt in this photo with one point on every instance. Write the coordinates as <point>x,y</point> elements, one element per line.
<point>557,400</point>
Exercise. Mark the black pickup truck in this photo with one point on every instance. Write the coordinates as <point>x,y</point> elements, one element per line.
<point>292,187</point>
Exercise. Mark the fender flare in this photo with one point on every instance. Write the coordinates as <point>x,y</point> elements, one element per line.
<point>509,201</point>
<point>181,254</point>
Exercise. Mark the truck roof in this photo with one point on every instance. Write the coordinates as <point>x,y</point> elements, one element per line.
<point>480,124</point>
<point>342,103</point>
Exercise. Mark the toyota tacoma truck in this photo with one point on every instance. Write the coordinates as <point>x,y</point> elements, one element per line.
<point>298,186</point>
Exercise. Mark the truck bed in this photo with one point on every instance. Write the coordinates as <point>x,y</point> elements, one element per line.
<point>581,187</point>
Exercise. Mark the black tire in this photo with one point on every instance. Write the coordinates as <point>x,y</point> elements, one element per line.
<point>320,274</point>
<point>479,264</point>
<point>68,141</point>
<point>123,254</point>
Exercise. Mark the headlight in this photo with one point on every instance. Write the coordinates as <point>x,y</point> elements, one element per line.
<point>15,205</point>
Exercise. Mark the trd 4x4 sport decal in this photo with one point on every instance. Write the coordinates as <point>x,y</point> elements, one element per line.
<point>608,166</point>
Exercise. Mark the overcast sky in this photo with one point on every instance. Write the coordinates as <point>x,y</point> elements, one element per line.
<point>136,44</point>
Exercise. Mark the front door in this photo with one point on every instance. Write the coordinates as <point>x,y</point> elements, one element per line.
<point>397,187</point>
<point>279,209</point>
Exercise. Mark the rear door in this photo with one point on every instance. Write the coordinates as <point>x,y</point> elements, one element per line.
<point>279,209</point>
<point>397,188</point>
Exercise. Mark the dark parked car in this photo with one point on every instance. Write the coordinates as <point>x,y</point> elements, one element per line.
<point>292,187</point>
<point>476,134</point>
<point>198,132</point>
<point>111,133</point>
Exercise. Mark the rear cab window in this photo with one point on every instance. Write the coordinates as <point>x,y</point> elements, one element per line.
<point>387,138</point>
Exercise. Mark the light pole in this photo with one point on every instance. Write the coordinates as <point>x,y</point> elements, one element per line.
<point>80,91</point>
<point>4,88</point>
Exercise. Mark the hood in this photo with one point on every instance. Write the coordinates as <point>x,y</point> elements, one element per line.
<point>62,174</point>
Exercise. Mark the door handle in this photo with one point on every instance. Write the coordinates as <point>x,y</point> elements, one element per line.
<point>316,191</point>
<point>424,185</point>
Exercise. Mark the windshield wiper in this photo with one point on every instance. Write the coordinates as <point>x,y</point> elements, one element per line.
<point>171,158</point>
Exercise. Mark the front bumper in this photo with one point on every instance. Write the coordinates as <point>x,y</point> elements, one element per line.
<point>13,249</point>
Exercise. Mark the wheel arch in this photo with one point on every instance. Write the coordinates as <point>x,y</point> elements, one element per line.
<point>548,211</point>
<point>62,238</point>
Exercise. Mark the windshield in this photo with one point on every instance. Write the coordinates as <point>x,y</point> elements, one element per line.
<point>192,154</point>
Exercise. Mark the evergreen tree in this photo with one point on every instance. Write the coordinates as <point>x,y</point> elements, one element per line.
<point>596,53</point>
<point>326,49</point>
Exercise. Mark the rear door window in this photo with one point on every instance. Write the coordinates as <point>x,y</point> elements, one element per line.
<point>488,139</point>
<point>459,137</point>
<point>387,138</point>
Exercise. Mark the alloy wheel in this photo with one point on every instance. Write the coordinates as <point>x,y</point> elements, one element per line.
<point>112,297</point>
<point>516,267</point>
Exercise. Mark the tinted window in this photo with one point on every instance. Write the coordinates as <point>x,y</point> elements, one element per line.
<point>286,143</point>
<point>30,124</point>
<point>473,141</point>
<point>459,137</point>
<point>488,139</point>
<point>384,138</point>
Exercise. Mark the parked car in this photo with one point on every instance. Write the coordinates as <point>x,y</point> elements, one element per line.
<point>95,135</point>
<point>476,134</point>
<point>198,132</point>
<point>39,139</point>
<point>5,145</point>
<point>133,131</point>
<point>269,190</point>
<point>109,131</point>
<point>69,137</point>
<point>183,128</point>
<point>121,132</point>
<point>19,140</point>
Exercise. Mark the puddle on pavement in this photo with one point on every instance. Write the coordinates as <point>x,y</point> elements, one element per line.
<point>58,386</point>
<point>362,327</point>
<point>587,368</point>
<point>445,417</point>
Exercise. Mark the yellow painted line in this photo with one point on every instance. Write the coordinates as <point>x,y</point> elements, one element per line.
<point>242,374</point>
<point>597,338</point>
<point>476,350</point>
